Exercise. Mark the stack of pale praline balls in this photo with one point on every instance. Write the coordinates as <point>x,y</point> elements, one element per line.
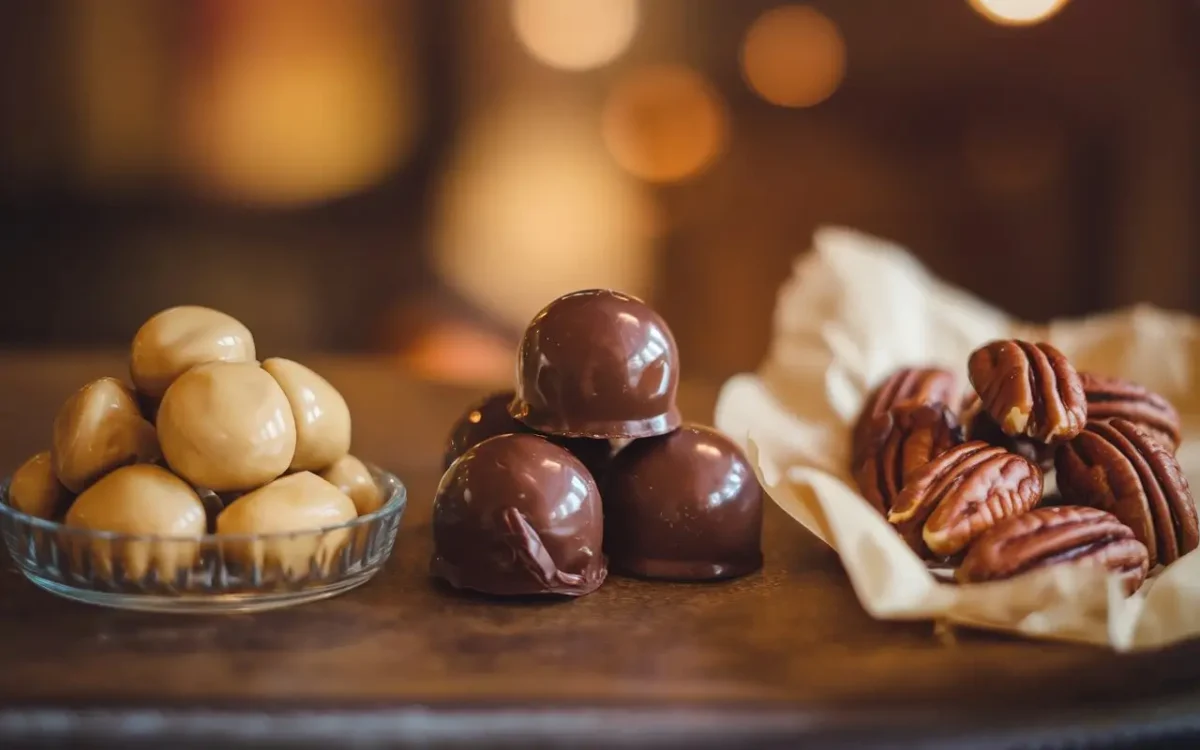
<point>206,439</point>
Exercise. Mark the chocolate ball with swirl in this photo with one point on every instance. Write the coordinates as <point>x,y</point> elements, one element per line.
<point>517,515</point>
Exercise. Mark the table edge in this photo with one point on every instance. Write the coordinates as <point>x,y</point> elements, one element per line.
<point>447,725</point>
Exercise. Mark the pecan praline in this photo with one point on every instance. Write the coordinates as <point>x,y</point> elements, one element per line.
<point>954,498</point>
<point>1116,466</point>
<point>1063,535</point>
<point>1115,398</point>
<point>904,439</point>
<point>1029,389</point>
<point>908,385</point>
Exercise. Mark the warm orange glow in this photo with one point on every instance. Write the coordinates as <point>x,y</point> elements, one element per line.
<point>575,34</point>
<point>532,208</point>
<point>664,123</point>
<point>303,100</point>
<point>1017,12</point>
<point>794,56</point>
<point>459,353</point>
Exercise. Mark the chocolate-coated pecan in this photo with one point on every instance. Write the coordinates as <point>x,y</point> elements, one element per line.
<point>905,439</point>
<point>979,425</point>
<point>1029,389</point>
<point>1068,534</point>
<point>957,496</point>
<point>1114,398</point>
<point>1117,467</point>
<point>920,385</point>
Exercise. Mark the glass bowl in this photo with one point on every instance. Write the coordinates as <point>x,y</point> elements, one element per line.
<point>211,573</point>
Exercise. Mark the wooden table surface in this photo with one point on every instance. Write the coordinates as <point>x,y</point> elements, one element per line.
<point>781,655</point>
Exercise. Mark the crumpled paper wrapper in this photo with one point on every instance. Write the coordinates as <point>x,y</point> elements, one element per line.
<point>855,309</point>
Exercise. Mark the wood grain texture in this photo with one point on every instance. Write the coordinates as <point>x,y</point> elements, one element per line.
<point>791,640</point>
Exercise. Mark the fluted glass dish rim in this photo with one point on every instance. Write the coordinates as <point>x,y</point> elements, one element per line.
<point>395,504</point>
<point>377,532</point>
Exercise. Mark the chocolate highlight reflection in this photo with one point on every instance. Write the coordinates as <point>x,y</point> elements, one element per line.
<point>490,417</point>
<point>599,364</point>
<point>684,506</point>
<point>517,515</point>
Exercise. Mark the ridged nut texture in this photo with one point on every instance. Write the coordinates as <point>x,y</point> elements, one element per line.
<point>1118,467</point>
<point>1113,398</point>
<point>904,439</point>
<point>1029,389</point>
<point>909,385</point>
<point>1064,535</point>
<point>962,493</point>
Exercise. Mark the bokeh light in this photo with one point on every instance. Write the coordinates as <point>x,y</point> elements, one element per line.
<point>794,56</point>
<point>301,101</point>
<point>664,123</point>
<point>456,352</point>
<point>1017,12</point>
<point>531,208</point>
<point>575,34</point>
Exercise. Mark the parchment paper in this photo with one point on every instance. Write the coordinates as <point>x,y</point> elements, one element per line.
<point>856,308</point>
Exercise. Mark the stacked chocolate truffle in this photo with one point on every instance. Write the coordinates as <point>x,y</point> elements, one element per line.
<point>965,486</point>
<point>205,439</point>
<point>587,463</point>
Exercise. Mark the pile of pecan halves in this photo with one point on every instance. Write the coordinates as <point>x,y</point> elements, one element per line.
<point>962,480</point>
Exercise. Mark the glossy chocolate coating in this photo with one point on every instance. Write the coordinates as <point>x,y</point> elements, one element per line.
<point>517,515</point>
<point>597,364</point>
<point>490,417</point>
<point>683,506</point>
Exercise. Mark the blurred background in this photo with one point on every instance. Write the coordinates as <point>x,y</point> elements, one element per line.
<point>419,178</point>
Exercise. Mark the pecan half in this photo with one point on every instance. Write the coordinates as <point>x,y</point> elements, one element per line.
<point>920,385</point>
<point>962,493</point>
<point>1029,389</point>
<point>979,425</point>
<point>1114,398</point>
<point>1117,467</point>
<point>905,439</point>
<point>1068,534</point>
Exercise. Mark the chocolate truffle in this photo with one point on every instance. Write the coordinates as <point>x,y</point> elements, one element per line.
<point>517,515</point>
<point>490,417</point>
<point>685,506</point>
<point>598,364</point>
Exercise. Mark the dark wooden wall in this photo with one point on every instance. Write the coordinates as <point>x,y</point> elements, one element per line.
<point>1053,170</point>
